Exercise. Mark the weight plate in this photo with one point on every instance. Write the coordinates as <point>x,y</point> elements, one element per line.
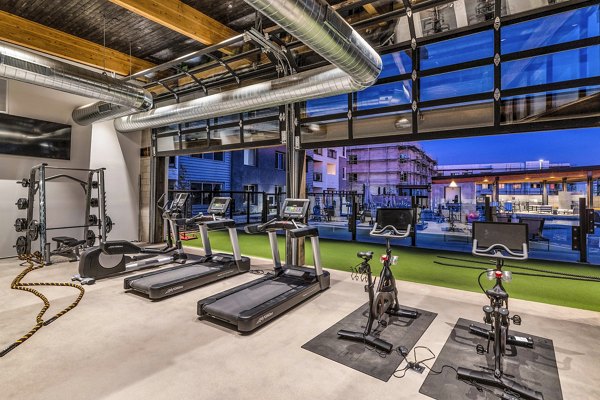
<point>94,202</point>
<point>90,238</point>
<point>93,219</point>
<point>95,184</point>
<point>109,224</point>
<point>22,203</point>
<point>21,245</point>
<point>20,224</point>
<point>33,230</point>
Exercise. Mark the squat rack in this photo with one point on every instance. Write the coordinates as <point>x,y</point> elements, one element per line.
<point>37,185</point>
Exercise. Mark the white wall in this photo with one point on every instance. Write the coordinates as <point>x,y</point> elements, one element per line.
<point>100,146</point>
<point>120,155</point>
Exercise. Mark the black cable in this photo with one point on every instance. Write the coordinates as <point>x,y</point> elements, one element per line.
<point>557,276</point>
<point>544,271</point>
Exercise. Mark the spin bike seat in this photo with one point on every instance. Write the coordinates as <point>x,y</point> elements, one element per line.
<point>365,255</point>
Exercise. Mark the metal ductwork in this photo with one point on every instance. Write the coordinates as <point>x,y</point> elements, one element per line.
<point>25,66</point>
<point>356,65</point>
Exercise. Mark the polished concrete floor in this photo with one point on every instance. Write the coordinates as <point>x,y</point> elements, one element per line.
<point>118,345</point>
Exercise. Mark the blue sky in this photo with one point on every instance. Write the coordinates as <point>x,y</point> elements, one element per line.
<point>575,146</point>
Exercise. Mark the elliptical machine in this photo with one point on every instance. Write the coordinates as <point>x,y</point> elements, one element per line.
<point>119,256</point>
<point>392,223</point>
<point>500,241</point>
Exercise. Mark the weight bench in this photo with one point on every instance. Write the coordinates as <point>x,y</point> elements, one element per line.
<point>67,247</point>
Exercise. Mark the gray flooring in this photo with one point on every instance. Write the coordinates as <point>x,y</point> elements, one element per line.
<point>118,345</point>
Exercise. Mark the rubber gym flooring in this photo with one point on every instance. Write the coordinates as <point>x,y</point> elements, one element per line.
<point>426,266</point>
<point>117,345</point>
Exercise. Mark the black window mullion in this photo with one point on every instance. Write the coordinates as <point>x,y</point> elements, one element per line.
<point>351,111</point>
<point>497,61</point>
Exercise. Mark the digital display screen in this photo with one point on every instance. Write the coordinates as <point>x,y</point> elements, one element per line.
<point>32,137</point>
<point>487,234</point>
<point>294,208</point>
<point>180,199</point>
<point>219,205</point>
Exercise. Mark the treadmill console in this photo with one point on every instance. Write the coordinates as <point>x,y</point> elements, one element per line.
<point>219,205</point>
<point>179,201</point>
<point>294,208</point>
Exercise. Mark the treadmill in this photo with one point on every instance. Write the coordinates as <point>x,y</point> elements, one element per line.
<point>211,267</point>
<point>251,305</point>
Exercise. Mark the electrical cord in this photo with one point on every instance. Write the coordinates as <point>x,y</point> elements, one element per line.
<point>35,261</point>
<point>556,275</point>
<point>544,271</point>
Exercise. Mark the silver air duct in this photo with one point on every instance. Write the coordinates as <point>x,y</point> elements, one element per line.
<point>357,66</point>
<point>24,66</point>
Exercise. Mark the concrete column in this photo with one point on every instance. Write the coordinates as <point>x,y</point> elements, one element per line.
<point>564,184</point>
<point>544,193</point>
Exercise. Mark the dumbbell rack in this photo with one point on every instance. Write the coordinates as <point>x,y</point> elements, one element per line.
<point>37,229</point>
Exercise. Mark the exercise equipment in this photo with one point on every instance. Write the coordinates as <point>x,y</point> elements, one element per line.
<point>208,269</point>
<point>251,305</point>
<point>36,261</point>
<point>37,229</point>
<point>119,256</point>
<point>391,223</point>
<point>500,241</point>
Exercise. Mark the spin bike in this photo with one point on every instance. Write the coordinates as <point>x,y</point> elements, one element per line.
<point>501,241</point>
<point>391,223</point>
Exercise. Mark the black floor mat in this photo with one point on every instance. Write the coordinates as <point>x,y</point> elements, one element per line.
<point>399,331</point>
<point>535,368</point>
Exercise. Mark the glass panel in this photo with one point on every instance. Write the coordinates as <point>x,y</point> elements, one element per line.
<point>225,136</point>
<point>167,143</point>
<point>397,63</point>
<point>266,112</point>
<point>324,131</point>
<point>456,116</point>
<point>386,95</point>
<point>385,124</point>
<point>326,106</point>
<point>458,83</point>
<point>167,129</point>
<point>560,28</point>
<point>450,16</point>
<point>261,131</point>
<point>550,68</point>
<point>194,140</point>
<point>510,7</point>
<point>227,119</point>
<point>458,50</point>
<point>559,104</point>
<point>194,125</point>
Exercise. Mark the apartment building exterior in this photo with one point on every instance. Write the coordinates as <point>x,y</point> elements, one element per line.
<point>326,170</point>
<point>388,169</point>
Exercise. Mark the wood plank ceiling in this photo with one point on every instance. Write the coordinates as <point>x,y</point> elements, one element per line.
<point>149,30</point>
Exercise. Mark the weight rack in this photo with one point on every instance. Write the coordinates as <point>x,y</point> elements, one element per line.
<point>35,229</point>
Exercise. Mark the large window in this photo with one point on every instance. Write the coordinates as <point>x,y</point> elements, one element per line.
<point>251,194</point>
<point>458,83</point>
<point>250,156</point>
<point>218,156</point>
<point>206,191</point>
<point>280,160</point>
<point>458,50</point>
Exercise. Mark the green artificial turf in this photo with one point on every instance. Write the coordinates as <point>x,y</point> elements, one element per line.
<point>417,265</point>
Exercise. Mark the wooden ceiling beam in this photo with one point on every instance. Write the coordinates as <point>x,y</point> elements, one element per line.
<point>22,32</point>
<point>181,18</point>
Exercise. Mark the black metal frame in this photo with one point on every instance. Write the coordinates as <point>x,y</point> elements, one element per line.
<point>414,45</point>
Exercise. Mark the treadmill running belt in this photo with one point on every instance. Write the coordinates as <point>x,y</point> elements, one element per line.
<point>253,296</point>
<point>171,275</point>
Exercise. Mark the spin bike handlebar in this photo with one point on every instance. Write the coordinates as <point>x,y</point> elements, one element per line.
<point>390,231</point>
<point>496,250</point>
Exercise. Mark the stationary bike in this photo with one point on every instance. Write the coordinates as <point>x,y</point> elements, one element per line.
<point>392,223</point>
<point>118,256</point>
<point>500,241</point>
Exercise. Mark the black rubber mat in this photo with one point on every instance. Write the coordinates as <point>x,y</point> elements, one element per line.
<point>535,368</point>
<point>399,331</point>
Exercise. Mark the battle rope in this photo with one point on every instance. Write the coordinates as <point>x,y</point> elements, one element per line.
<point>35,261</point>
